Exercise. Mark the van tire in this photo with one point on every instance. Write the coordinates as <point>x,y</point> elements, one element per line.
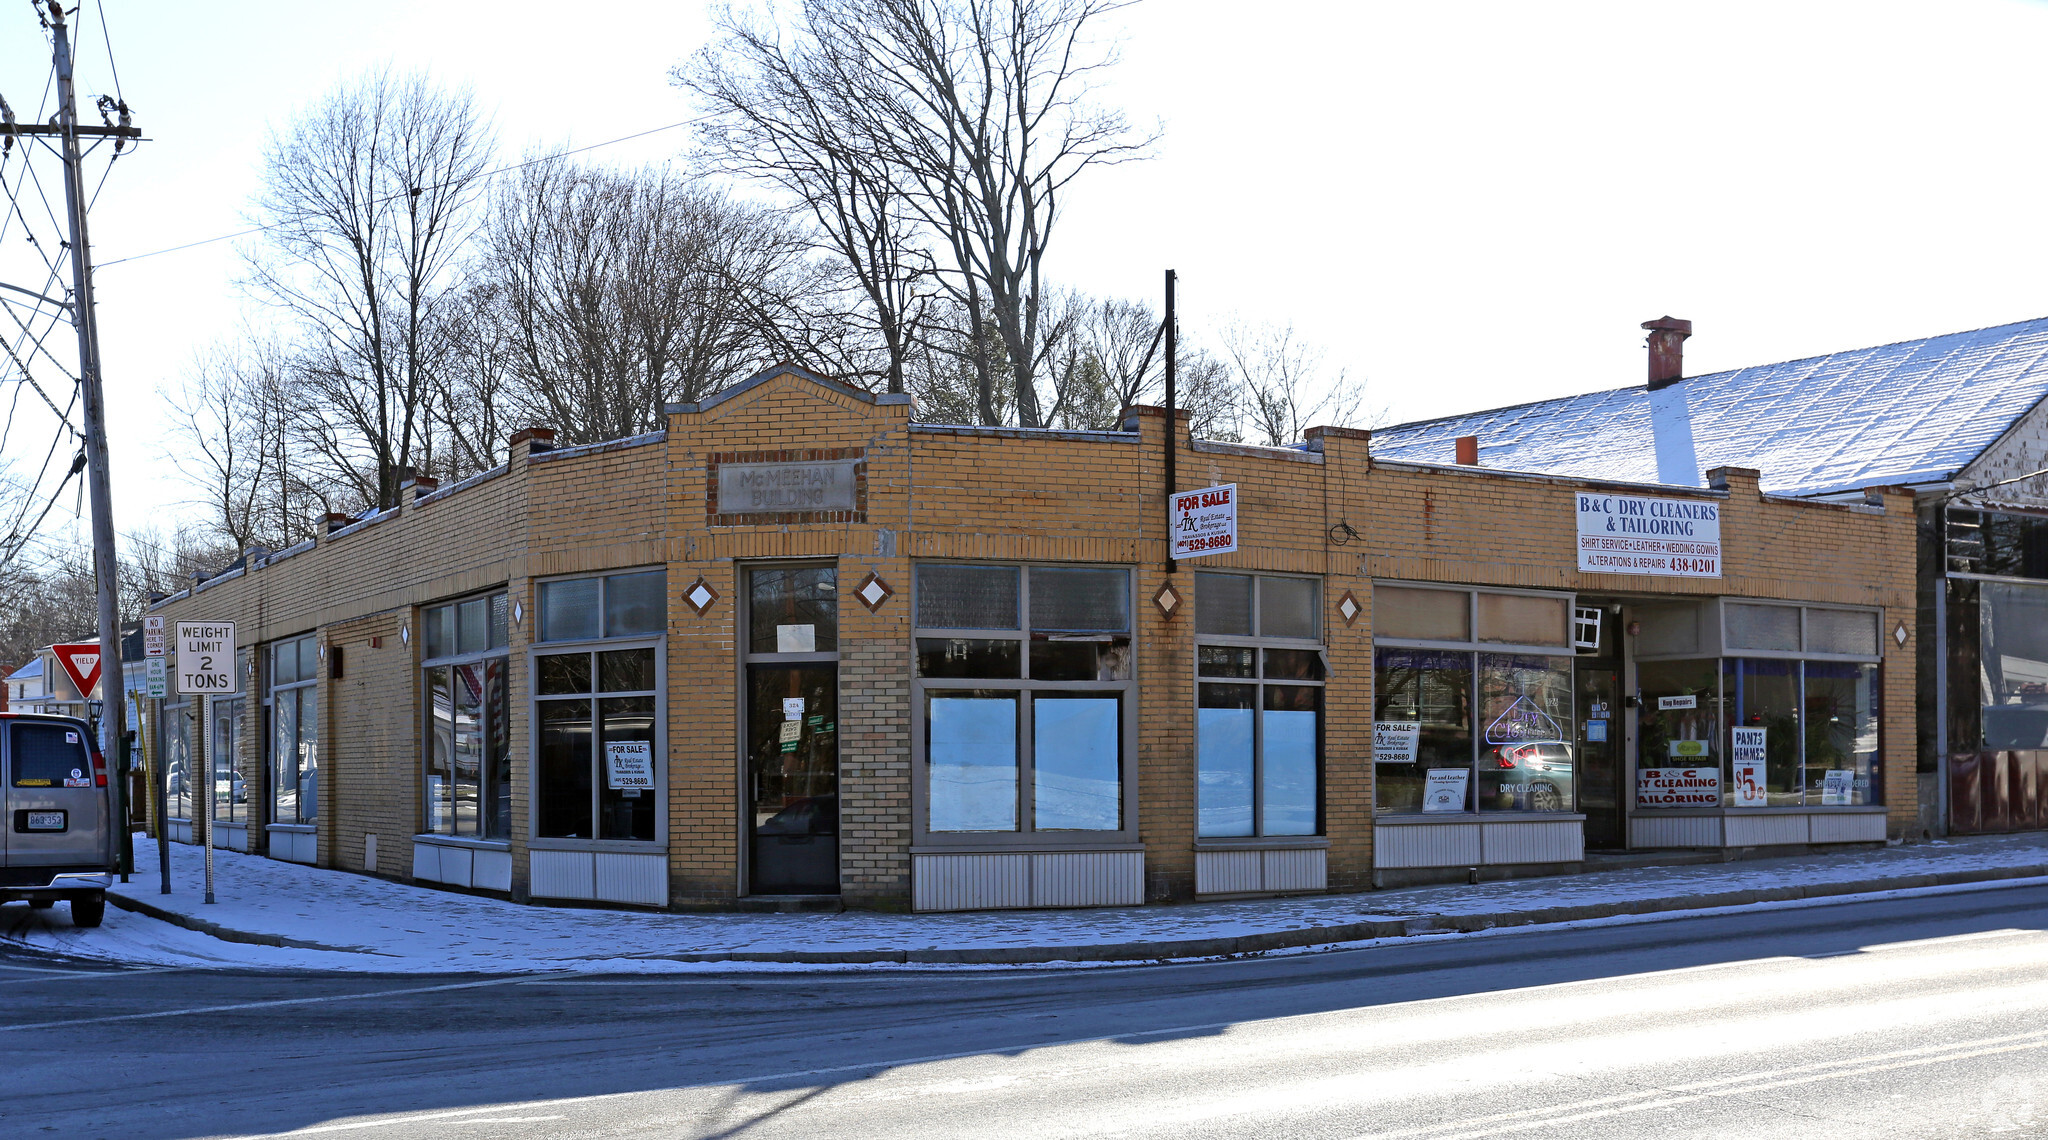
<point>88,910</point>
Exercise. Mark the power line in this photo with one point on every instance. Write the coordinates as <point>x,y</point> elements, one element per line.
<point>485,176</point>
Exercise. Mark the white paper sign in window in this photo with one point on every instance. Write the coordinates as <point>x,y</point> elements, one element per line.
<point>1637,534</point>
<point>1444,789</point>
<point>1746,750</point>
<point>629,765</point>
<point>1678,787</point>
<point>1204,521</point>
<point>796,639</point>
<point>1396,741</point>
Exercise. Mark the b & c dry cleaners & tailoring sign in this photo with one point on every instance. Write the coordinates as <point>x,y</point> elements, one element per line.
<point>772,488</point>
<point>1636,534</point>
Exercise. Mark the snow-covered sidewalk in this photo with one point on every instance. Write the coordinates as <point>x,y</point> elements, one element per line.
<point>315,918</point>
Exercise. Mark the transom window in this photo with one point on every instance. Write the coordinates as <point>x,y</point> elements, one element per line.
<point>1024,685</point>
<point>468,754</point>
<point>1259,705</point>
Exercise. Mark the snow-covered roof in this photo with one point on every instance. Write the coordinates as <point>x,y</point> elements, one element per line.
<point>1913,412</point>
<point>28,672</point>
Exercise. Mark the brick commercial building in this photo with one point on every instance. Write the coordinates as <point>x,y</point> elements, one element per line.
<point>800,647</point>
<point>1960,420</point>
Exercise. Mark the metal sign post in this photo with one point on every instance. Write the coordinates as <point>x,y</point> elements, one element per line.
<point>152,761</point>
<point>206,668</point>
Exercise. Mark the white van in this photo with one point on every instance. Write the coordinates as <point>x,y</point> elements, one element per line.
<point>59,841</point>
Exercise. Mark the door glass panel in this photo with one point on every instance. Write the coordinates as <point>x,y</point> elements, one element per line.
<point>564,673</point>
<point>793,761</point>
<point>284,749</point>
<point>1075,763</point>
<point>794,610</point>
<point>971,750</point>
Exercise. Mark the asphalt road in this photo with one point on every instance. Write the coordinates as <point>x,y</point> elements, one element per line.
<point>1910,1017</point>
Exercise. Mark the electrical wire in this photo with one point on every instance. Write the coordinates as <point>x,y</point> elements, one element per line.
<point>410,191</point>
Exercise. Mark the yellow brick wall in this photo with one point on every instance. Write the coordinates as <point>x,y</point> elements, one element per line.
<point>936,493</point>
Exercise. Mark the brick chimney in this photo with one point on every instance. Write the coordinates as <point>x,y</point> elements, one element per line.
<point>1468,450</point>
<point>1667,350</point>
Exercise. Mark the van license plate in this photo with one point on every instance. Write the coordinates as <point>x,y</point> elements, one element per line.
<point>46,821</point>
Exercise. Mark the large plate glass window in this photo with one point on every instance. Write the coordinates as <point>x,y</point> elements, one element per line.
<point>597,723</point>
<point>1024,684</point>
<point>1786,716</point>
<point>468,754</point>
<point>1472,701</point>
<point>176,733</point>
<point>295,731</point>
<point>1259,705</point>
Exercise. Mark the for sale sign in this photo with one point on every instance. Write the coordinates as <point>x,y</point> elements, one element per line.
<point>1204,522</point>
<point>206,657</point>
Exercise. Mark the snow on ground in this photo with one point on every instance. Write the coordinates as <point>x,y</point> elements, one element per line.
<point>377,925</point>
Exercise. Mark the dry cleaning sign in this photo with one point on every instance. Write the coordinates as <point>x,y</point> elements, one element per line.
<point>1636,534</point>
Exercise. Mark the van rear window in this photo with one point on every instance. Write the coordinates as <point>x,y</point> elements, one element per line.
<point>50,756</point>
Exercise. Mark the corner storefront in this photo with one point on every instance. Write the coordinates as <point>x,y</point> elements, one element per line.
<point>801,651</point>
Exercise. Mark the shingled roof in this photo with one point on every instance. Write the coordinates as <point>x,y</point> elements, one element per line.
<point>1913,412</point>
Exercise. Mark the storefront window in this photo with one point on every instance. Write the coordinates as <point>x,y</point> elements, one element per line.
<point>598,751</point>
<point>468,757</point>
<point>1842,764</point>
<point>1024,680</point>
<point>1259,705</point>
<point>230,788</point>
<point>1422,723</point>
<point>1763,702</point>
<point>174,745</point>
<point>1525,712</point>
<point>295,731</point>
<point>2012,665</point>
<point>1488,728</point>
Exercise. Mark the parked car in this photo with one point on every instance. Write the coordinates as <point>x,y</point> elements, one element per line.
<point>1541,773</point>
<point>59,841</point>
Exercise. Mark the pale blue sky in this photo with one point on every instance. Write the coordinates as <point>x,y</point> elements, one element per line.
<point>1468,203</point>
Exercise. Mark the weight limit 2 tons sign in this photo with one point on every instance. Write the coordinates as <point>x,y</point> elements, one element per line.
<point>1204,522</point>
<point>206,657</point>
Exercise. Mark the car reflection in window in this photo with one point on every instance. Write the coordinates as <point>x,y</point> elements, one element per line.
<point>808,815</point>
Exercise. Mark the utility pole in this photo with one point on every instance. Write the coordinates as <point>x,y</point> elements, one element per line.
<point>1172,327</point>
<point>86,321</point>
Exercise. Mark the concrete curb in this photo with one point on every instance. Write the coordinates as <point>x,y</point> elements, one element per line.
<point>1223,947</point>
<point>227,933</point>
<point>1353,931</point>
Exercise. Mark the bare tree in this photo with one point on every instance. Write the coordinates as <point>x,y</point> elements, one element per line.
<point>369,196</point>
<point>972,115</point>
<point>614,292</point>
<point>1281,383</point>
<point>783,120</point>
